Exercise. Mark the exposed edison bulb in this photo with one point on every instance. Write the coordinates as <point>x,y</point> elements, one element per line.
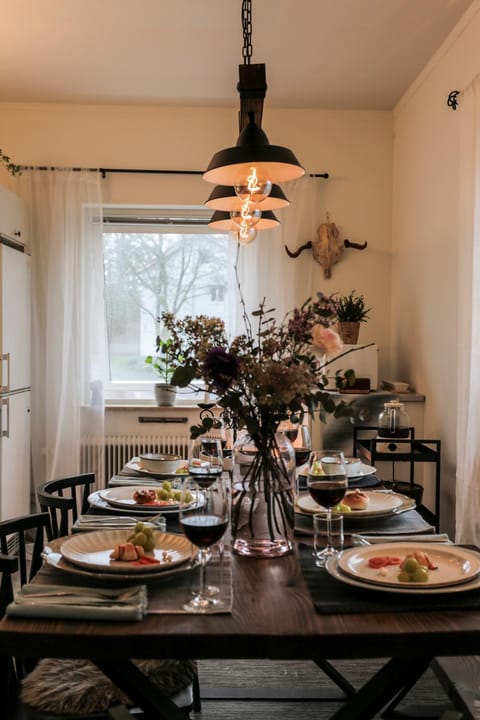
<point>246,235</point>
<point>246,215</point>
<point>253,186</point>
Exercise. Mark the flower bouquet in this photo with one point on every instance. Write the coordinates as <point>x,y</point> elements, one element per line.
<point>272,372</point>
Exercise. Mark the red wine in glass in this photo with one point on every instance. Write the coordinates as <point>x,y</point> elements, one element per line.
<point>301,455</point>
<point>203,530</point>
<point>327,493</point>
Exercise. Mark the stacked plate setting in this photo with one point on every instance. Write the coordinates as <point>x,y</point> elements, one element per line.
<point>457,569</point>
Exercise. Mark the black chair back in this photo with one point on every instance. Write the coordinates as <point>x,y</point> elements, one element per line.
<point>65,499</point>
<point>20,534</point>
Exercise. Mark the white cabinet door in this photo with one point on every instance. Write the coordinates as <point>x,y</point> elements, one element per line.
<point>15,456</point>
<point>15,317</point>
<point>12,216</point>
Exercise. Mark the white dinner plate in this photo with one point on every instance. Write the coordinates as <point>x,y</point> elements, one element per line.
<point>92,551</point>
<point>332,568</point>
<point>380,504</point>
<point>124,497</point>
<point>363,472</point>
<point>95,500</point>
<point>454,565</point>
<point>134,464</point>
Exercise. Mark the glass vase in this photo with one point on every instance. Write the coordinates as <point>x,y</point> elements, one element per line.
<point>263,495</point>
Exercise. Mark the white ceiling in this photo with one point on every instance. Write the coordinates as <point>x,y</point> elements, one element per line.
<point>357,54</point>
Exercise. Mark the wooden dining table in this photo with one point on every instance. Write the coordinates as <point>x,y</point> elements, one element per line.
<point>272,617</point>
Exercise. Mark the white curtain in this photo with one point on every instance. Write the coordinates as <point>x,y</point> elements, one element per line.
<point>264,268</point>
<point>468,361</point>
<point>69,338</point>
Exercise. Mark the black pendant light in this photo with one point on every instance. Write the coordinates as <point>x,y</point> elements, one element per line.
<point>224,197</point>
<point>246,175</point>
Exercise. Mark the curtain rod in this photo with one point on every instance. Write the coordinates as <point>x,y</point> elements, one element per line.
<point>104,171</point>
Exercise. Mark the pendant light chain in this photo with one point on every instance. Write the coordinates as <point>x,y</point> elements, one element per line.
<point>247,31</point>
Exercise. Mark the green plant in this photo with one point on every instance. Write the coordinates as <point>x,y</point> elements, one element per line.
<point>163,362</point>
<point>351,308</point>
<point>9,166</point>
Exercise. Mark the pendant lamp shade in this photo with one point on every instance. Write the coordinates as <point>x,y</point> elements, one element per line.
<point>222,221</point>
<point>227,167</point>
<point>224,197</point>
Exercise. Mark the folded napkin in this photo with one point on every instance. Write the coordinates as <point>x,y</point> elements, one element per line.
<point>73,602</point>
<point>115,522</point>
<point>365,538</point>
<point>122,480</point>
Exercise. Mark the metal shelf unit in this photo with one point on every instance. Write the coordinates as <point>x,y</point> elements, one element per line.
<point>418,450</point>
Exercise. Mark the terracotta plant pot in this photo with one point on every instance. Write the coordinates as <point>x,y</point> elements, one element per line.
<point>349,331</point>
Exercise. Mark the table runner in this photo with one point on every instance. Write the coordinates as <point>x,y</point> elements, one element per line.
<point>332,596</point>
<point>401,524</point>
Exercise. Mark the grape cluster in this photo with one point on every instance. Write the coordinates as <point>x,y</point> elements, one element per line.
<point>412,571</point>
<point>143,536</point>
<point>166,492</point>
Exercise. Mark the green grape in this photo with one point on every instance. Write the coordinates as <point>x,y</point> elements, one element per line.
<point>420,575</point>
<point>404,576</point>
<point>177,495</point>
<point>140,539</point>
<point>149,544</point>
<point>167,485</point>
<point>139,527</point>
<point>410,565</point>
<point>163,494</point>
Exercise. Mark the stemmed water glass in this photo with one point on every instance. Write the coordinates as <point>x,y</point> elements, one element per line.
<point>327,483</point>
<point>204,526</point>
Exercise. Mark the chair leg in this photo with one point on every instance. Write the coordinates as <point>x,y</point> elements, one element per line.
<point>197,700</point>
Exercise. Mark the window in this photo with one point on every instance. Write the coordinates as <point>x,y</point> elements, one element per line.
<point>156,260</point>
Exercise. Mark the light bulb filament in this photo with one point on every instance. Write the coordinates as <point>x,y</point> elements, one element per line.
<point>252,182</point>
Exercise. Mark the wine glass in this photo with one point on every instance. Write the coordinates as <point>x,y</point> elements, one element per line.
<point>204,526</point>
<point>327,483</point>
<point>206,459</point>
<point>302,445</point>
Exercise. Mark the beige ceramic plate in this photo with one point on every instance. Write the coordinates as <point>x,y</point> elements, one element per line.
<point>134,464</point>
<point>423,589</point>
<point>454,565</point>
<point>380,504</point>
<point>92,551</point>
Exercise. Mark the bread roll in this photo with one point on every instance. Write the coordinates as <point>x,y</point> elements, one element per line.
<point>357,500</point>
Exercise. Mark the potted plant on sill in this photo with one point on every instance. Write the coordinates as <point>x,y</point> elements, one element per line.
<point>351,311</point>
<point>163,363</point>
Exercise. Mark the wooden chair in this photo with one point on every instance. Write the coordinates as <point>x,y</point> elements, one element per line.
<point>65,499</point>
<point>21,544</point>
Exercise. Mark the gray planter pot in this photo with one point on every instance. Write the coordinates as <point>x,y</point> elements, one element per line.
<point>165,394</point>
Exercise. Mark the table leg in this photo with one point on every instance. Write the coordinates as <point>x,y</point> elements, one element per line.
<point>140,689</point>
<point>382,688</point>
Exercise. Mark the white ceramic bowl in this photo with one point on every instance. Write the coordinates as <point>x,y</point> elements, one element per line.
<point>353,466</point>
<point>162,464</point>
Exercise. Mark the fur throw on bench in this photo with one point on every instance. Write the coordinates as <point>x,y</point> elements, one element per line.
<point>78,686</point>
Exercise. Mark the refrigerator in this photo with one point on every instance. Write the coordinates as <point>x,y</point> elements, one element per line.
<point>15,338</point>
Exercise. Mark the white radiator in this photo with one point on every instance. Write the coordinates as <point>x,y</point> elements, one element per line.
<point>107,456</point>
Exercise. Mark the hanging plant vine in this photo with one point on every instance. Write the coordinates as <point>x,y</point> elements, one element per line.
<point>9,165</point>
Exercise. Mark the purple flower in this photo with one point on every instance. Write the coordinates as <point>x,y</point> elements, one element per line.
<point>222,368</point>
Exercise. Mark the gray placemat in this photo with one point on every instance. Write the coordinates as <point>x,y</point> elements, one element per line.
<point>332,596</point>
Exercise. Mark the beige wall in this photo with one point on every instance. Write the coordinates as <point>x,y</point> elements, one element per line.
<point>354,147</point>
<point>425,238</point>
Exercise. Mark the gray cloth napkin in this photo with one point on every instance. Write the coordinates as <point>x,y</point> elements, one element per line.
<point>112,522</point>
<point>123,480</point>
<point>74,602</point>
<point>359,538</point>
